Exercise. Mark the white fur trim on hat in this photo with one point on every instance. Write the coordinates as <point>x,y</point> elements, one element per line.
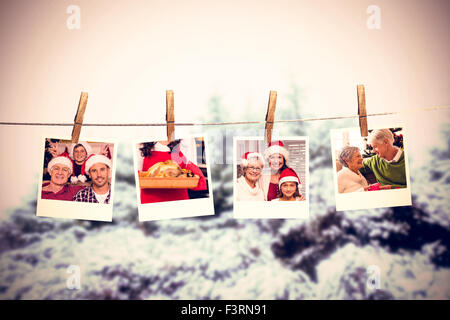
<point>98,158</point>
<point>73,180</point>
<point>244,162</point>
<point>288,179</point>
<point>276,149</point>
<point>60,160</point>
<point>82,178</point>
<point>86,146</point>
<point>160,147</point>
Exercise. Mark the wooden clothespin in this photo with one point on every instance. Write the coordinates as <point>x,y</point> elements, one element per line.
<point>270,115</point>
<point>362,112</point>
<point>170,116</point>
<point>78,121</point>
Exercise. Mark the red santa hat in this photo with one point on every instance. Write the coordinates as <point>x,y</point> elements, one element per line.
<point>276,147</point>
<point>62,160</point>
<point>96,158</point>
<point>287,175</point>
<point>248,155</point>
<point>85,145</point>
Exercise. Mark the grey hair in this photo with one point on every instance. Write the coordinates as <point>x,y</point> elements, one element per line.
<point>346,154</point>
<point>381,134</point>
<point>245,165</point>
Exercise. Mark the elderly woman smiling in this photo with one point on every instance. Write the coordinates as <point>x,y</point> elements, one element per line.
<point>349,178</point>
<point>248,187</point>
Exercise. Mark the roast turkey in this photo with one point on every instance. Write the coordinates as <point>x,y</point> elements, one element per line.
<point>167,169</point>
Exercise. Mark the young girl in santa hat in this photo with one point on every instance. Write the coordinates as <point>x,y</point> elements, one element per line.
<point>79,153</point>
<point>289,183</point>
<point>277,155</point>
<point>154,152</point>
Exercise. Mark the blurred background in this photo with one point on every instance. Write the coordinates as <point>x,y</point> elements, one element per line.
<point>222,59</point>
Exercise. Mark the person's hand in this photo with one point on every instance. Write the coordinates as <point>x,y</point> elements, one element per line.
<point>53,149</point>
<point>302,197</point>
<point>374,187</point>
<point>104,150</point>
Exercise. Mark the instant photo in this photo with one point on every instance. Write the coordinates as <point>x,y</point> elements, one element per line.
<point>173,179</point>
<point>77,179</point>
<point>271,180</point>
<point>371,172</point>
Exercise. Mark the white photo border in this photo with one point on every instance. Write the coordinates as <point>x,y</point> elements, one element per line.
<point>72,209</point>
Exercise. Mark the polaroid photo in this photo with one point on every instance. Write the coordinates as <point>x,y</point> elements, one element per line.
<point>77,179</point>
<point>370,172</point>
<point>271,181</point>
<point>173,180</point>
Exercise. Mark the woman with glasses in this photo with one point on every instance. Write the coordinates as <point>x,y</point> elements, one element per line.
<point>248,186</point>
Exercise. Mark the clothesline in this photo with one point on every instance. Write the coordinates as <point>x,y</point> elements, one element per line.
<point>6,123</point>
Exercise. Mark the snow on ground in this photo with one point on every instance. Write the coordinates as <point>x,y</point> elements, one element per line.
<point>405,276</point>
<point>219,257</point>
<point>212,264</point>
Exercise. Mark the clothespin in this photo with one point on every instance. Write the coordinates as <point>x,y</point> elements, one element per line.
<point>170,116</point>
<point>78,121</point>
<point>270,115</point>
<point>362,112</point>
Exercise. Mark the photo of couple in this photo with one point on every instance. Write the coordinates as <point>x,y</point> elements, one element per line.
<point>376,163</point>
<point>272,173</point>
<point>386,166</point>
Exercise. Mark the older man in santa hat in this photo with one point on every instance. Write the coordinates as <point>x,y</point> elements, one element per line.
<point>59,168</point>
<point>99,169</point>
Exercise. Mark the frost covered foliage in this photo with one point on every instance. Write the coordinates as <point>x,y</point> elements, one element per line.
<point>218,257</point>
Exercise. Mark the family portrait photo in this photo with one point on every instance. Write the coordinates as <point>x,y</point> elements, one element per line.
<point>270,176</point>
<point>172,179</point>
<point>76,174</point>
<point>370,172</point>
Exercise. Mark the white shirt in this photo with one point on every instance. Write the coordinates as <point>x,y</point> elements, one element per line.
<point>349,181</point>
<point>101,198</point>
<point>244,192</point>
<point>278,199</point>
<point>264,182</point>
<point>160,147</point>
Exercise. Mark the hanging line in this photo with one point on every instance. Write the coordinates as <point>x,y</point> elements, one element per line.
<point>5,123</point>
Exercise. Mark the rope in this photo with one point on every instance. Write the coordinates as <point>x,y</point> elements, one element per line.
<point>6,123</point>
